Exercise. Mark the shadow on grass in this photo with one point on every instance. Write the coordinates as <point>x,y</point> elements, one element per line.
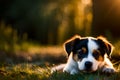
<point>19,76</point>
<point>84,76</point>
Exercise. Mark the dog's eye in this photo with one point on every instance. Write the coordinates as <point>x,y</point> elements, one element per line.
<point>81,52</point>
<point>96,54</point>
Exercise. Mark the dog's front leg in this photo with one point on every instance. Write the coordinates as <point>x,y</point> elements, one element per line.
<point>108,67</point>
<point>71,66</point>
<point>71,70</point>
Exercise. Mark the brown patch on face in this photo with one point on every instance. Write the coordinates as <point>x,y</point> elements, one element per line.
<point>75,57</point>
<point>84,49</point>
<point>97,55</point>
<point>100,58</point>
<point>79,53</point>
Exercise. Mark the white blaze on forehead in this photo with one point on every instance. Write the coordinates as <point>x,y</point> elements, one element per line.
<point>92,45</point>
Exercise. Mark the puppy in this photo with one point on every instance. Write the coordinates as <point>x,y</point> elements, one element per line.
<point>88,54</point>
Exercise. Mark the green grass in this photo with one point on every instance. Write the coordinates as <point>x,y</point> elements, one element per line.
<point>40,70</point>
<point>84,76</point>
<point>46,57</point>
<point>30,71</point>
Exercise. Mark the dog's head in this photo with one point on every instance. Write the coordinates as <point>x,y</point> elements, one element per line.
<point>88,52</point>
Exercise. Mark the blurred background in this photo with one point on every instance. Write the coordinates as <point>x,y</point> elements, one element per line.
<point>32,29</point>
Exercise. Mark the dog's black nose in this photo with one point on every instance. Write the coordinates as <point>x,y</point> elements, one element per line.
<point>88,65</point>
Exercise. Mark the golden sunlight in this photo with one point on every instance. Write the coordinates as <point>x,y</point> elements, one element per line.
<point>86,2</point>
<point>116,6</point>
<point>80,13</point>
<point>83,14</point>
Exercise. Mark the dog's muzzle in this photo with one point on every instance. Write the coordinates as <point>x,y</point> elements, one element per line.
<point>88,66</point>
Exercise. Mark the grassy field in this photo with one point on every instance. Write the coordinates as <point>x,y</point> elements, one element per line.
<point>35,64</point>
<point>29,71</point>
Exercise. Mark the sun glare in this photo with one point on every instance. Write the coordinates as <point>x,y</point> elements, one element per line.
<point>86,2</point>
<point>114,6</point>
<point>117,3</point>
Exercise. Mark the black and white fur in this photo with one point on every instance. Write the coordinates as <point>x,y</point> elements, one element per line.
<point>88,54</point>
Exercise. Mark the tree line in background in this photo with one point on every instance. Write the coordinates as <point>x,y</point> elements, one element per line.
<point>54,21</point>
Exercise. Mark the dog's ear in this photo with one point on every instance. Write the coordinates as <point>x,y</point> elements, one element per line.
<point>108,47</point>
<point>69,44</point>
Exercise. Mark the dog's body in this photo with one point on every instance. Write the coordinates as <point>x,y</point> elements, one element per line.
<point>88,54</point>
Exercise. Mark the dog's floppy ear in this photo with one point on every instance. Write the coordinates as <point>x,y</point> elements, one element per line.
<point>69,44</point>
<point>106,45</point>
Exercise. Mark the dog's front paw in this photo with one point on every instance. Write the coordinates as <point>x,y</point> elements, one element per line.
<point>108,70</point>
<point>66,70</point>
<point>73,72</point>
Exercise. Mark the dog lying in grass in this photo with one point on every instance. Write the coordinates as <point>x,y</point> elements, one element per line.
<point>87,54</point>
